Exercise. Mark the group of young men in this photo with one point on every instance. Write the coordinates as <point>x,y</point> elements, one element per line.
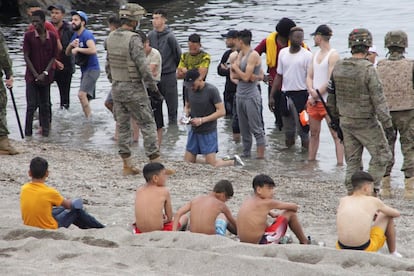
<point>364,108</point>
<point>51,50</point>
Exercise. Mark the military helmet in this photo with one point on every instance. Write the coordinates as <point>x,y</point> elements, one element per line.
<point>396,38</point>
<point>360,37</point>
<point>131,11</point>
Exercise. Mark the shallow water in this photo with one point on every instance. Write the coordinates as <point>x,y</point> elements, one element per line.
<point>210,19</point>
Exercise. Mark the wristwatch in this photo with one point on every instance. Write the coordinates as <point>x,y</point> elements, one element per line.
<point>46,73</point>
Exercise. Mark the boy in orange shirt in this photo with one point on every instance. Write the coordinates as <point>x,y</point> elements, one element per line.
<point>44,207</point>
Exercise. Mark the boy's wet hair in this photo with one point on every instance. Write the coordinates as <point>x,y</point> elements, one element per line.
<point>224,186</point>
<point>245,36</point>
<point>41,14</point>
<point>295,29</point>
<point>152,169</point>
<point>114,20</point>
<point>33,4</point>
<point>262,179</point>
<point>360,178</point>
<point>161,12</point>
<point>194,38</point>
<point>38,167</point>
<point>284,25</point>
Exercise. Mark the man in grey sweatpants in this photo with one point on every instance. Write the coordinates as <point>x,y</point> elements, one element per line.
<point>248,70</point>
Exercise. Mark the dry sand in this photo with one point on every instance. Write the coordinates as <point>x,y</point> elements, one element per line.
<point>96,177</point>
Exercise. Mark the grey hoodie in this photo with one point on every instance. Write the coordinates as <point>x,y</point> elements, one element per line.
<point>166,43</point>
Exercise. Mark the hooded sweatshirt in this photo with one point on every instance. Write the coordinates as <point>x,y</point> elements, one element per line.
<point>166,43</point>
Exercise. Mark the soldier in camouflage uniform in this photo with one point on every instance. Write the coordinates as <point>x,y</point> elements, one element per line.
<point>357,99</point>
<point>128,71</point>
<point>396,74</point>
<point>6,67</point>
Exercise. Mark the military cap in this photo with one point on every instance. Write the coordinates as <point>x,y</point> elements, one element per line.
<point>131,11</point>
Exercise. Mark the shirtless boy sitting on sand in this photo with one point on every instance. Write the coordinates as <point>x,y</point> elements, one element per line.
<point>153,209</point>
<point>364,222</point>
<point>208,213</point>
<point>252,217</point>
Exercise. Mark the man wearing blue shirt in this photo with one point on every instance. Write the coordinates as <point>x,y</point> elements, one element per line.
<point>83,47</point>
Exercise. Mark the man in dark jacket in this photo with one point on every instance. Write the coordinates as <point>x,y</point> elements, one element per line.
<point>65,64</point>
<point>162,39</point>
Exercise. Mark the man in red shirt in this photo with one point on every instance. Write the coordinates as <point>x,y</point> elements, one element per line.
<point>272,45</point>
<point>40,50</point>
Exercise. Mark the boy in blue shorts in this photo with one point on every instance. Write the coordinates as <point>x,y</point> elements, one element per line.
<point>209,214</point>
<point>204,106</point>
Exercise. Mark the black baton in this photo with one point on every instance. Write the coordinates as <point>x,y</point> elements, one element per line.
<point>17,113</point>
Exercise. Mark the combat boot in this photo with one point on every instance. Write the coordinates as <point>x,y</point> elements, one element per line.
<point>129,169</point>
<point>409,188</point>
<point>386,187</point>
<point>5,147</point>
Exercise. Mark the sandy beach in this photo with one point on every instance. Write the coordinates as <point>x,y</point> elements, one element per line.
<point>96,177</point>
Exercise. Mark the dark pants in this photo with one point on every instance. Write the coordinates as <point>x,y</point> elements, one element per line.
<point>168,89</point>
<point>78,217</point>
<point>278,114</point>
<point>63,80</point>
<point>235,123</point>
<point>228,98</point>
<point>37,96</point>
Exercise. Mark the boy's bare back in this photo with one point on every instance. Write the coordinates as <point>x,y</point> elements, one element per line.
<point>252,218</point>
<point>204,211</point>
<point>355,216</point>
<point>151,202</point>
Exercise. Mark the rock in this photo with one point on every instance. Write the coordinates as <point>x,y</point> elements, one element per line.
<point>16,8</point>
<point>44,4</point>
<point>105,3</point>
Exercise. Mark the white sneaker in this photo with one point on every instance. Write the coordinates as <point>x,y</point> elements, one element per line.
<point>238,161</point>
<point>396,254</point>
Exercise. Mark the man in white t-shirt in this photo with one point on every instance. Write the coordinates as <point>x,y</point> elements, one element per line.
<point>292,67</point>
<point>319,72</point>
<point>154,61</point>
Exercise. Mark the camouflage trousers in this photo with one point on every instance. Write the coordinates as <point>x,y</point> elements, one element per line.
<point>403,122</point>
<point>3,105</point>
<point>360,134</point>
<point>141,112</point>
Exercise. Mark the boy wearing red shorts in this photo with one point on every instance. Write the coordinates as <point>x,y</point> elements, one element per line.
<point>153,210</point>
<point>252,217</point>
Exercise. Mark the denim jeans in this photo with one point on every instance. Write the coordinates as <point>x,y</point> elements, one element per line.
<point>79,217</point>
